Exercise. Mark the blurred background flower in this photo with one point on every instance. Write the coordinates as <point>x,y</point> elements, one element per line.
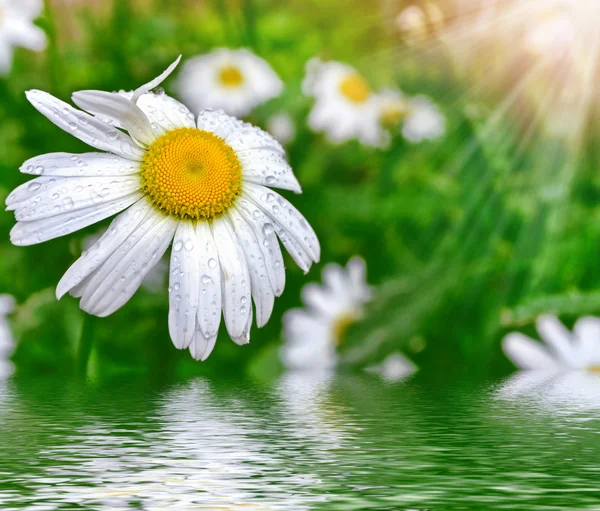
<point>17,29</point>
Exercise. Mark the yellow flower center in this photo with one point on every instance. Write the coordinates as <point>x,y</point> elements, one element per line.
<point>355,88</point>
<point>191,173</point>
<point>342,324</point>
<point>594,369</point>
<point>393,114</point>
<point>231,76</point>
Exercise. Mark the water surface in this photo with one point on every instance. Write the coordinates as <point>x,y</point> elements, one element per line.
<point>301,443</point>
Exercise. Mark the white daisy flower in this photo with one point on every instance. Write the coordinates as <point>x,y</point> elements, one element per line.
<point>312,334</point>
<point>412,24</point>
<point>281,126</point>
<point>17,29</point>
<point>345,107</point>
<point>395,367</point>
<point>415,23</point>
<point>234,80</point>
<point>199,183</point>
<point>424,120</point>
<point>563,350</point>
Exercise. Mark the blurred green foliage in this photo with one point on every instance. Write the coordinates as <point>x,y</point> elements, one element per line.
<point>464,237</point>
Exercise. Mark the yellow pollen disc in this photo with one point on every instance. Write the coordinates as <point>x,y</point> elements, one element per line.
<point>191,173</point>
<point>355,88</point>
<point>341,325</point>
<point>393,114</point>
<point>231,76</point>
<point>594,369</point>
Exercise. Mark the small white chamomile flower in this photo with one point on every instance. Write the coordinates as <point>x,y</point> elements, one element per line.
<point>395,367</point>
<point>281,126</point>
<point>424,121</point>
<point>235,81</point>
<point>17,29</point>
<point>562,350</point>
<point>199,183</point>
<point>312,334</point>
<point>345,107</point>
<point>415,23</point>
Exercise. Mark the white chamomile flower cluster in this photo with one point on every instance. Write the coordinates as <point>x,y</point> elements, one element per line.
<point>312,334</point>
<point>419,117</point>
<point>235,81</point>
<point>199,183</point>
<point>17,29</point>
<point>346,108</point>
<point>561,351</point>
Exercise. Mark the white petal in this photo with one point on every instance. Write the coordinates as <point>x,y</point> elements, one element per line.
<point>85,127</point>
<point>219,123</point>
<point>335,279</point>
<point>209,301</point>
<point>262,293</point>
<point>587,331</point>
<point>201,346</point>
<point>23,33</point>
<point>315,297</point>
<point>80,165</point>
<point>251,137</point>
<point>38,231</point>
<point>156,82</point>
<point>527,353</point>
<point>554,333</point>
<point>235,280</point>
<point>267,239</point>
<point>356,270</point>
<point>115,282</point>
<point>117,108</point>
<point>165,113</point>
<point>184,285</point>
<point>286,216</point>
<point>46,197</point>
<point>118,232</point>
<point>300,256</point>
<point>244,338</point>
<point>268,168</point>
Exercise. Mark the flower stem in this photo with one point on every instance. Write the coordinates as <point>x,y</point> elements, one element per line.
<point>86,342</point>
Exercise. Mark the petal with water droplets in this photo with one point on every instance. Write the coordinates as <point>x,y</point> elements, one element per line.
<point>235,280</point>
<point>115,282</point>
<point>184,285</point>
<point>85,127</point>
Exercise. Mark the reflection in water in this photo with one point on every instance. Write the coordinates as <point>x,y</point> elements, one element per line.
<point>306,442</point>
<point>559,393</point>
<point>198,453</point>
<point>7,342</point>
